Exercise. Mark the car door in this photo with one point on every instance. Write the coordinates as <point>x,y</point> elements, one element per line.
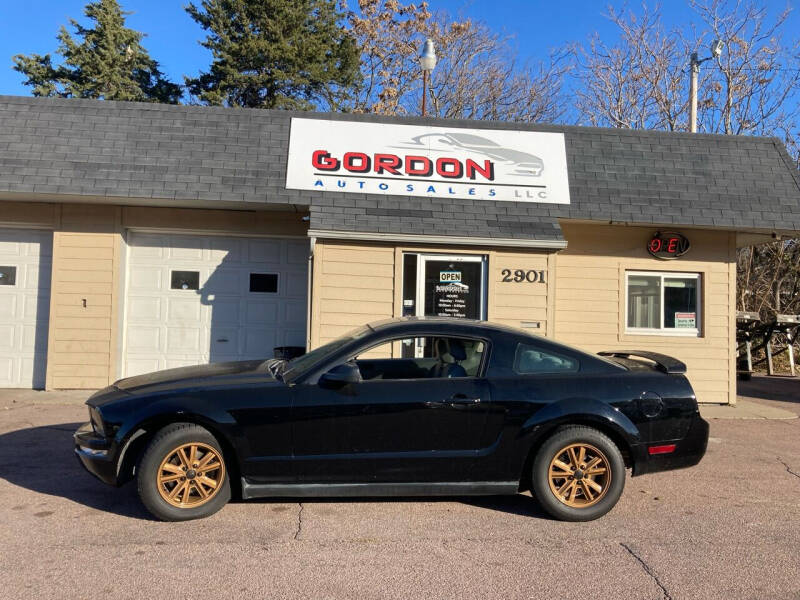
<point>407,427</point>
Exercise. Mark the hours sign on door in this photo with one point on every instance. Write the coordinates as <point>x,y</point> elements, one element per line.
<point>453,289</point>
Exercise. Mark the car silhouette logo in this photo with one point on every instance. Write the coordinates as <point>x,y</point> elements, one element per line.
<point>523,163</point>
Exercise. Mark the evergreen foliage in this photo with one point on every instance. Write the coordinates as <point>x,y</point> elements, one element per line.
<point>289,54</point>
<point>107,61</point>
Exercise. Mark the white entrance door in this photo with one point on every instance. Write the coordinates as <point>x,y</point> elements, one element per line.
<point>195,299</point>
<point>25,261</point>
<point>450,286</point>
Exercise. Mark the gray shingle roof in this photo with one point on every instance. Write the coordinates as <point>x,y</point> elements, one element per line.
<point>174,155</point>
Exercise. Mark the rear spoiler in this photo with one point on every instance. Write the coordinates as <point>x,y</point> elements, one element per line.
<point>666,364</point>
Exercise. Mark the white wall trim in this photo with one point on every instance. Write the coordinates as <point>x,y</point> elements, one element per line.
<point>25,225</point>
<point>211,232</point>
<point>439,240</point>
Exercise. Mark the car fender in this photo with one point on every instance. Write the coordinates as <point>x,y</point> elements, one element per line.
<point>583,411</point>
<point>171,409</point>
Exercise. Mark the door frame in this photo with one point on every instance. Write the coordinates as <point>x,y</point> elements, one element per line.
<point>423,258</point>
<point>473,258</point>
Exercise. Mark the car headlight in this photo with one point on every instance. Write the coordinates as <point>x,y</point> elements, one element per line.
<point>97,421</point>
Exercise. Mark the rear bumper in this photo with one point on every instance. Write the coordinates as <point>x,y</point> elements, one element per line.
<point>688,451</point>
<point>96,454</point>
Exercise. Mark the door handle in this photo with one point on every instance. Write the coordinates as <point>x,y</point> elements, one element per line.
<point>462,399</point>
<point>454,400</point>
<point>435,403</point>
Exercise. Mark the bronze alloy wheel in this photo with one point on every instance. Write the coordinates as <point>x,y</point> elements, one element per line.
<point>579,475</point>
<point>190,475</point>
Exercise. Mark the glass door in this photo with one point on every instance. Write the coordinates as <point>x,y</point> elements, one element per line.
<point>446,286</point>
<point>451,286</point>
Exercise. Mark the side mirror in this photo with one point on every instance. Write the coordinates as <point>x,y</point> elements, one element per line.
<point>340,376</point>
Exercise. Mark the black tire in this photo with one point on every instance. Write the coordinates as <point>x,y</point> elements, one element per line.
<point>578,505</point>
<point>163,457</point>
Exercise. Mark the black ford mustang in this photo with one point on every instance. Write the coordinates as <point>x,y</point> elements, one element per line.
<point>464,407</point>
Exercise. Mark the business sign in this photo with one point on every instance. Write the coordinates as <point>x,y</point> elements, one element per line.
<point>668,245</point>
<point>441,162</point>
<point>450,276</point>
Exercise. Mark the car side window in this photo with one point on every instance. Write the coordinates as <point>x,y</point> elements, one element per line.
<point>422,357</point>
<point>532,360</point>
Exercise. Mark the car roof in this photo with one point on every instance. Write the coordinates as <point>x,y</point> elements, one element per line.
<point>444,322</point>
<point>453,325</point>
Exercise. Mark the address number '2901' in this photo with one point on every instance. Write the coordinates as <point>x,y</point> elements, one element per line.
<point>521,276</point>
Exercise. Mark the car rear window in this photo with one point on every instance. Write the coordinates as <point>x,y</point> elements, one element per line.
<point>532,360</point>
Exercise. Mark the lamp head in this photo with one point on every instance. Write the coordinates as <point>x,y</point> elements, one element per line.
<point>717,47</point>
<point>427,60</point>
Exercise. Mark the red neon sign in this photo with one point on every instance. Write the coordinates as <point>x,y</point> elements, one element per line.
<point>668,245</point>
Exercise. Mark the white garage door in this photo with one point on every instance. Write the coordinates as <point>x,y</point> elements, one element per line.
<point>199,299</point>
<point>25,260</point>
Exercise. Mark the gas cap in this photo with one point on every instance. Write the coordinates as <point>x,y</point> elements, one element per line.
<point>651,404</point>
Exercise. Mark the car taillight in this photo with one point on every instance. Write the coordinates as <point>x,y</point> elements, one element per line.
<point>665,449</point>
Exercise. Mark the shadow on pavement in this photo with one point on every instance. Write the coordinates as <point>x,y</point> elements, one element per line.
<point>780,388</point>
<point>41,459</point>
<point>519,504</point>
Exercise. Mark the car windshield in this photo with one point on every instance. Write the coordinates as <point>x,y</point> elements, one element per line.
<point>297,366</point>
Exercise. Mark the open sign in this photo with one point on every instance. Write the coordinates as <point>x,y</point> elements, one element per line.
<point>668,245</point>
<point>449,276</point>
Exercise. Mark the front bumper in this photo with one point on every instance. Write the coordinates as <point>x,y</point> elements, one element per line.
<point>688,451</point>
<point>96,454</point>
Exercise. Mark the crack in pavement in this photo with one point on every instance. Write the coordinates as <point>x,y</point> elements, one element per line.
<point>648,570</point>
<point>788,468</point>
<point>299,521</point>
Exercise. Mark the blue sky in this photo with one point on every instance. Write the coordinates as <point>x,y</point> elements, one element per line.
<point>536,26</point>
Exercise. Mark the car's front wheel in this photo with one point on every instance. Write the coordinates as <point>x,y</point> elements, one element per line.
<point>578,474</point>
<point>182,474</point>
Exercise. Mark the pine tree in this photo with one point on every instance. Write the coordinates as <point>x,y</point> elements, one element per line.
<point>107,61</point>
<point>290,54</point>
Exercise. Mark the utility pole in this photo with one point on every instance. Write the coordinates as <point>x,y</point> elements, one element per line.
<point>424,89</point>
<point>427,61</point>
<point>694,68</point>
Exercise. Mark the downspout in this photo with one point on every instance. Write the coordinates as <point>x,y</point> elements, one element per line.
<point>309,292</point>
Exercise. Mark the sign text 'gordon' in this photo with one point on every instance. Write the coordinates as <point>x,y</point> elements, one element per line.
<point>409,160</point>
<point>420,166</point>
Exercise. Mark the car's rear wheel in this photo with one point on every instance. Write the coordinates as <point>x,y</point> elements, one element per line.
<point>182,474</point>
<point>578,474</point>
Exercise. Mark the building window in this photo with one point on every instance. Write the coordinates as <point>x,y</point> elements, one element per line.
<point>185,280</point>
<point>264,283</point>
<point>663,303</point>
<point>8,275</point>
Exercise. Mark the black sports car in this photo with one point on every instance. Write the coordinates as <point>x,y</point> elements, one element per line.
<point>419,406</point>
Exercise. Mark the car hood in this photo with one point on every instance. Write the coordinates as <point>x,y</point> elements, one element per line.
<point>196,375</point>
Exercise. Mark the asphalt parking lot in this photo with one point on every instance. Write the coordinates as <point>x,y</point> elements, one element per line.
<point>728,528</point>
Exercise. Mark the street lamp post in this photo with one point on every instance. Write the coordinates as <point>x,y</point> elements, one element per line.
<point>427,61</point>
<point>716,50</point>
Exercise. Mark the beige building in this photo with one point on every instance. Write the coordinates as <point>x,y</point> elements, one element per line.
<point>141,237</point>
